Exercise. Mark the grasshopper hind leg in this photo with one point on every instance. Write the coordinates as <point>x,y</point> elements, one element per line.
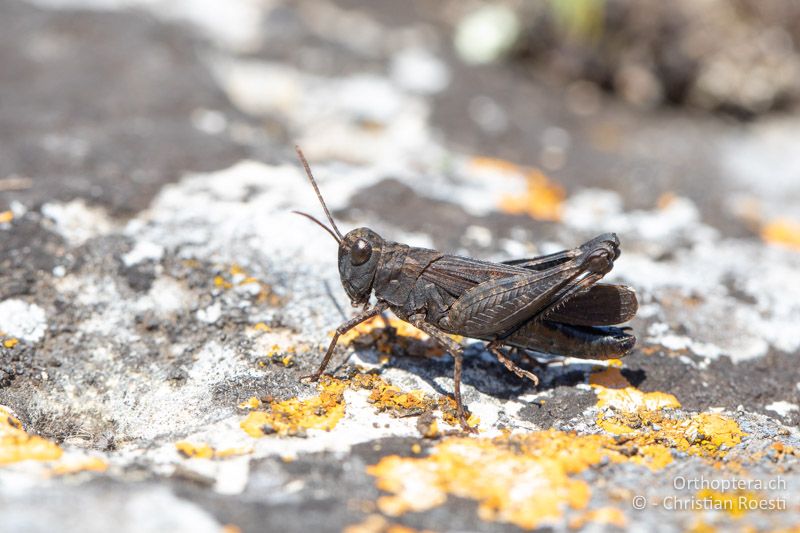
<point>494,348</point>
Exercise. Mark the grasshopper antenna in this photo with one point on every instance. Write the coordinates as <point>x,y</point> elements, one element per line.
<point>323,226</point>
<point>319,195</point>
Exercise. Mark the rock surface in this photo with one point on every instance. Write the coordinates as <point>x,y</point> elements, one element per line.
<point>159,302</point>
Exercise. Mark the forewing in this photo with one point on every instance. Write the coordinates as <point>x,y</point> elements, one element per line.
<point>497,306</point>
<point>456,275</point>
<point>601,305</point>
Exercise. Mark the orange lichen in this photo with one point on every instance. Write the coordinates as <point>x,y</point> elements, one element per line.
<point>431,431</point>
<point>279,355</point>
<point>496,165</point>
<point>219,281</point>
<point>400,338</point>
<point>609,378</point>
<point>232,452</point>
<point>386,397</point>
<point>237,276</point>
<point>250,403</point>
<point>644,418</point>
<point>400,327</point>
<point>375,523</point>
<point>527,479</point>
<point>632,399</point>
<point>10,342</point>
<point>523,479</point>
<point>779,450</point>
<point>701,526</point>
<point>6,216</point>
<point>603,515</point>
<point>293,416</point>
<point>17,445</point>
<point>199,451</point>
<point>666,199</point>
<point>84,464</point>
<point>204,451</point>
<point>736,503</point>
<point>782,231</point>
<point>543,199</point>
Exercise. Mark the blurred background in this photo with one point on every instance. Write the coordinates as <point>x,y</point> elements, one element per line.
<point>110,99</point>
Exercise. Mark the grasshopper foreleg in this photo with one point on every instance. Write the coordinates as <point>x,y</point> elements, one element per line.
<point>366,314</point>
<point>457,352</point>
<point>494,347</point>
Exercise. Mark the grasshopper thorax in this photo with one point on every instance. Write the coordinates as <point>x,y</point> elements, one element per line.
<point>359,253</point>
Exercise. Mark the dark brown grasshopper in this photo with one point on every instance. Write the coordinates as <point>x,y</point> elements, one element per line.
<point>550,304</point>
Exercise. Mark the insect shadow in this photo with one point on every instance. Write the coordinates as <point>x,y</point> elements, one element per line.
<point>482,371</point>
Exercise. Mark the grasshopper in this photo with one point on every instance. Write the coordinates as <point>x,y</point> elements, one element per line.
<point>550,304</point>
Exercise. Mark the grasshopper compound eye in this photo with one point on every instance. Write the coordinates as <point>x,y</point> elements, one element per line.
<point>360,252</point>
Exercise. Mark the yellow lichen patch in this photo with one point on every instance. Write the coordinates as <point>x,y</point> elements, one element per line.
<point>389,398</point>
<point>279,355</point>
<point>261,326</point>
<point>386,397</point>
<point>701,526</point>
<point>235,275</point>
<point>375,523</point>
<point>526,480</point>
<point>221,282</point>
<point>542,200</point>
<point>250,403</point>
<point>779,450</point>
<point>198,451</point>
<point>666,200</point>
<point>401,328</point>
<point>6,216</point>
<point>204,451</point>
<point>495,165</point>
<point>712,432</point>
<point>735,503</point>
<point>10,342</point>
<point>609,378</point>
<point>399,338</point>
<point>293,416</point>
<point>782,231</point>
<point>632,399</point>
<point>604,515</point>
<point>430,431</point>
<point>232,452</point>
<point>644,418</point>
<point>17,445</point>
<point>84,464</point>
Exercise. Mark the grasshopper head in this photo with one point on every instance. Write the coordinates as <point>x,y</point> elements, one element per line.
<point>359,252</point>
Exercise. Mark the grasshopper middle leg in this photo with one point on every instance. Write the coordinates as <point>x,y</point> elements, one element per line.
<point>457,352</point>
